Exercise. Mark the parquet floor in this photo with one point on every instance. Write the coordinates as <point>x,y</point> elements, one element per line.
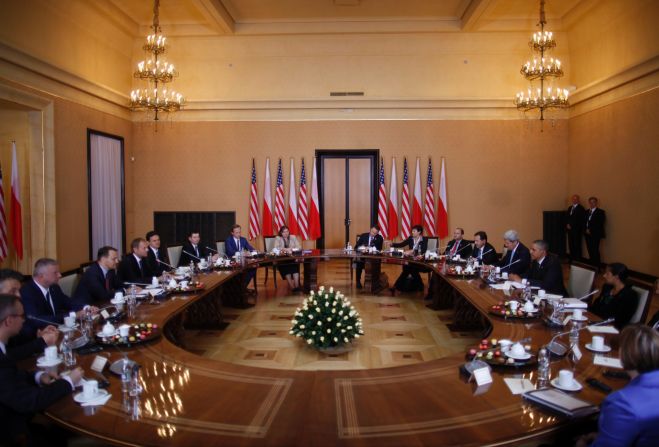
<point>398,330</point>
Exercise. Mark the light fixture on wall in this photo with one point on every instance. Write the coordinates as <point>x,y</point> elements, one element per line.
<point>156,72</point>
<point>543,70</point>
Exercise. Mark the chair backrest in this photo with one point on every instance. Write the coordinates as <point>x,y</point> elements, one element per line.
<point>69,283</point>
<point>220,248</point>
<point>86,265</point>
<point>644,295</point>
<point>433,243</point>
<point>581,280</point>
<point>269,242</point>
<point>174,254</point>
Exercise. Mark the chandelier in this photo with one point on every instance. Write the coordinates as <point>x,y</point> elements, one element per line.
<point>544,70</point>
<point>156,72</point>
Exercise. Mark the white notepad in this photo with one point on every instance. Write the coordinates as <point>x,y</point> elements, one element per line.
<point>609,362</point>
<point>603,330</point>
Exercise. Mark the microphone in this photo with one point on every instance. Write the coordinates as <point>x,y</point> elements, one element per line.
<point>486,253</point>
<point>559,349</point>
<point>213,250</point>
<point>191,255</point>
<point>137,284</point>
<point>32,317</point>
<point>514,262</point>
<point>589,294</point>
<point>460,249</point>
<point>164,263</point>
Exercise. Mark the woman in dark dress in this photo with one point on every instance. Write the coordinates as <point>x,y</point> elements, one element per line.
<point>618,300</point>
<point>286,243</point>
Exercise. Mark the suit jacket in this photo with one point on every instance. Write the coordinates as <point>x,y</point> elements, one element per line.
<point>621,306</point>
<point>519,268</point>
<point>230,246</point>
<point>185,258</point>
<point>21,347</point>
<point>20,396</point>
<point>486,255</point>
<point>362,241</point>
<point>35,304</point>
<point>409,243</point>
<point>548,275</point>
<point>92,288</point>
<point>156,267</point>
<point>576,218</point>
<point>464,248</point>
<point>630,416</point>
<point>129,270</point>
<point>293,242</point>
<point>595,223</point>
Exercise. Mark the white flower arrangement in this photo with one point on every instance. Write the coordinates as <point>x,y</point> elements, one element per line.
<point>332,313</point>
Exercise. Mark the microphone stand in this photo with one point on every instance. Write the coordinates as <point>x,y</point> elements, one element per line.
<point>559,349</point>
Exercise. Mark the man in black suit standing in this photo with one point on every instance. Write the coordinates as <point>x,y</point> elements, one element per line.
<point>23,393</point>
<point>133,268</point>
<point>99,282</point>
<point>576,215</point>
<point>458,246</point>
<point>417,246</point>
<point>194,250</point>
<point>518,258</point>
<point>371,239</point>
<point>483,251</point>
<point>546,271</point>
<point>594,224</point>
<point>156,255</point>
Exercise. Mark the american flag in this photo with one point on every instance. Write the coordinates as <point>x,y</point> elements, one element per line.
<point>303,220</point>
<point>3,222</point>
<point>280,214</point>
<point>406,228</point>
<point>382,203</point>
<point>254,227</point>
<point>429,208</point>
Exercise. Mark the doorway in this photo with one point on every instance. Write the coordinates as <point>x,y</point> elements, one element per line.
<point>347,181</point>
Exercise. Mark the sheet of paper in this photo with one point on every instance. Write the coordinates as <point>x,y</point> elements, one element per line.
<point>482,376</point>
<point>518,386</point>
<point>609,362</point>
<point>603,330</point>
<point>155,292</point>
<point>577,352</point>
<point>503,286</point>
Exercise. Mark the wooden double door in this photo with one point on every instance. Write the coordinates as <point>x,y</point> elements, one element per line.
<point>348,194</point>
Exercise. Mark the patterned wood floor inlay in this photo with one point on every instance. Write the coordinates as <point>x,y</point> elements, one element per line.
<point>399,330</point>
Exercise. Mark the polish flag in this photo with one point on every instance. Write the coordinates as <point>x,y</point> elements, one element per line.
<point>314,213</point>
<point>417,216</point>
<point>15,207</point>
<point>292,202</point>
<point>442,208</point>
<point>266,216</point>
<point>393,202</point>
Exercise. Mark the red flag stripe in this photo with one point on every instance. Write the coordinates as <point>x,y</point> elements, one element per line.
<point>4,250</point>
<point>314,214</point>
<point>266,218</point>
<point>442,208</point>
<point>392,221</point>
<point>406,227</point>
<point>15,210</point>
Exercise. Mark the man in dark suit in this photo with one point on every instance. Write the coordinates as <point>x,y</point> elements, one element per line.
<point>194,250</point>
<point>594,224</point>
<point>133,267</point>
<point>458,245</point>
<point>417,246</point>
<point>99,282</point>
<point>43,298</point>
<point>23,393</point>
<point>156,255</point>
<point>371,239</point>
<point>483,251</point>
<point>546,271</point>
<point>518,258</point>
<point>576,215</point>
<point>238,244</point>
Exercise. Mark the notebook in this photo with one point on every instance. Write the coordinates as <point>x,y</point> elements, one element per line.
<point>561,402</point>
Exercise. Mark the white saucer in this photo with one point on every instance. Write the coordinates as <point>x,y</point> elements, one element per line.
<point>43,363</point>
<point>576,386</point>
<point>151,286</point>
<point>535,310</point>
<point>102,334</point>
<point>583,318</point>
<point>605,348</point>
<point>80,398</point>
<point>65,328</point>
<point>525,356</point>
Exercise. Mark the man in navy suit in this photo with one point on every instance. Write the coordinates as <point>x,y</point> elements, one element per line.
<point>546,271</point>
<point>24,393</point>
<point>518,257</point>
<point>195,248</point>
<point>156,255</point>
<point>99,282</point>
<point>133,268</point>
<point>371,239</point>
<point>458,245</point>
<point>238,244</point>
<point>43,298</point>
<point>595,219</point>
<point>483,251</point>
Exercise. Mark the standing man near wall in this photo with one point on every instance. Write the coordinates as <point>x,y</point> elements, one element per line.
<point>576,215</point>
<point>594,224</point>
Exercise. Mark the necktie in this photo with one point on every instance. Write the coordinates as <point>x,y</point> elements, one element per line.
<point>238,244</point>
<point>107,281</point>
<point>480,254</point>
<point>196,251</point>
<point>50,301</point>
<point>139,265</point>
<point>454,248</point>
<point>370,239</point>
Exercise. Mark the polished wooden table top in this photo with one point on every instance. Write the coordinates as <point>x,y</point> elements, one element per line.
<point>191,400</point>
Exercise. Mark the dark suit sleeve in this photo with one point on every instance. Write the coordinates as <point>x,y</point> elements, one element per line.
<point>379,240</point>
<point>466,249</point>
<point>361,240</point>
<point>230,247</point>
<point>247,245</point>
<point>20,393</point>
<point>552,278</point>
<point>404,243</point>
<point>23,347</point>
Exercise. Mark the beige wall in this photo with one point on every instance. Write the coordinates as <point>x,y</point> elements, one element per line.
<point>614,155</point>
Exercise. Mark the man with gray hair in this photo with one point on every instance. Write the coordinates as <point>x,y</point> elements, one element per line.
<point>546,271</point>
<point>517,258</point>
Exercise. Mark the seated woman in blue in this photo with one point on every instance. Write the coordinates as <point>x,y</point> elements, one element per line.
<point>630,416</point>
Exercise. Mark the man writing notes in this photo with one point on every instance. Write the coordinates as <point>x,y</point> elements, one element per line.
<point>417,245</point>
<point>546,271</point>
<point>576,215</point>
<point>518,258</point>
<point>237,244</point>
<point>594,223</point>
<point>458,246</point>
<point>371,239</point>
<point>483,251</point>
<point>99,282</point>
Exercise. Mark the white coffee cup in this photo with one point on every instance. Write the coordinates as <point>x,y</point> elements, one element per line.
<point>50,353</point>
<point>108,329</point>
<point>565,378</point>
<point>119,296</point>
<point>69,321</point>
<point>525,281</point>
<point>577,314</point>
<point>172,283</point>
<point>154,281</point>
<point>184,284</point>
<point>505,344</point>
<point>90,389</point>
<point>514,305</point>
<point>529,307</point>
<point>542,293</point>
<point>597,343</point>
<point>517,350</point>
<point>504,275</point>
<point>124,330</point>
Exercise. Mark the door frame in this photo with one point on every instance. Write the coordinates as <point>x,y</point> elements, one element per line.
<point>322,154</point>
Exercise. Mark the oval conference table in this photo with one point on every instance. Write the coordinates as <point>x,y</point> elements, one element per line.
<point>189,400</point>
